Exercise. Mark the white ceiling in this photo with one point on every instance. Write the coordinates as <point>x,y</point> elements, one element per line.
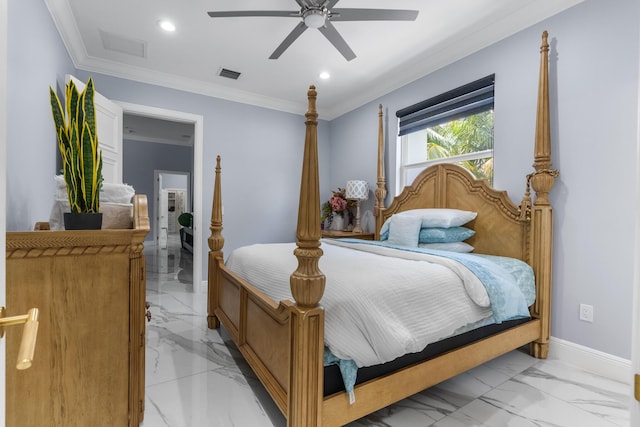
<point>388,54</point>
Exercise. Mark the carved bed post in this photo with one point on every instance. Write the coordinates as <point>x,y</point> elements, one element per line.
<point>305,396</point>
<point>381,191</point>
<point>542,181</point>
<point>216,242</point>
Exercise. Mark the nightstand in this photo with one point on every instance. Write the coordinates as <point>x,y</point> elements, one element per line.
<point>336,234</point>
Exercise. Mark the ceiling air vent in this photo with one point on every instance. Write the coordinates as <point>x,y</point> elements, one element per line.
<point>230,74</point>
<point>122,44</point>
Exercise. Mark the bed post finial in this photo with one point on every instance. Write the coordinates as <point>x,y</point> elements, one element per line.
<point>381,191</point>
<point>216,242</point>
<point>543,178</point>
<point>307,282</point>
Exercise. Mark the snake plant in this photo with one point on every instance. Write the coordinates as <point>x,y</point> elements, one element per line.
<point>78,145</point>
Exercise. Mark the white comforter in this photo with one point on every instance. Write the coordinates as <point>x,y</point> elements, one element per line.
<point>384,308</point>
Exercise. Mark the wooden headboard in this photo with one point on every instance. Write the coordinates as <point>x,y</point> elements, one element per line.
<point>500,228</point>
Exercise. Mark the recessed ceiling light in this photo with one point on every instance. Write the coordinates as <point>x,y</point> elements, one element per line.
<point>167,25</point>
<point>324,75</point>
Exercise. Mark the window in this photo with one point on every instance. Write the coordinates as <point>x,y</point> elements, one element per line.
<point>454,127</point>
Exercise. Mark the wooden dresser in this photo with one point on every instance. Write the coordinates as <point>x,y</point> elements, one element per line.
<point>88,367</point>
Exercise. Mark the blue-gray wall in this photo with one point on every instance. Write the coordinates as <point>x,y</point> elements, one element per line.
<point>36,59</point>
<point>594,102</point>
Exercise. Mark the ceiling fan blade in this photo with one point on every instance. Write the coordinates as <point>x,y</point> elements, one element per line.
<point>373,15</point>
<point>310,3</point>
<point>293,35</point>
<point>237,13</point>
<point>330,32</point>
<point>330,3</point>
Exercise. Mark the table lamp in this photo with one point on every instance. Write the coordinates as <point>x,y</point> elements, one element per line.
<point>357,190</point>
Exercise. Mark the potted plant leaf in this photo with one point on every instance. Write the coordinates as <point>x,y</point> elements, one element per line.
<point>81,159</point>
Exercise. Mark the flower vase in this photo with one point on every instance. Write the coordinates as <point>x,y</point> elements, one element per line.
<point>337,222</point>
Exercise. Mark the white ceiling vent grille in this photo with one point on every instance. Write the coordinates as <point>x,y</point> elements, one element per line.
<point>121,44</point>
<point>230,74</point>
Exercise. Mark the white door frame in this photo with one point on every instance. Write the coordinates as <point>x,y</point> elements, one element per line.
<point>198,149</point>
<point>3,188</point>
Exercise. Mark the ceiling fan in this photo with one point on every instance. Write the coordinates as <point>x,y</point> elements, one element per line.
<point>319,14</point>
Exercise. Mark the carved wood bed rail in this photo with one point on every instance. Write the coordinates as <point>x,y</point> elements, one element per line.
<point>283,340</point>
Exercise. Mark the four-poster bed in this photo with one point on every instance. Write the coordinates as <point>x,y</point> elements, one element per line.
<point>283,341</point>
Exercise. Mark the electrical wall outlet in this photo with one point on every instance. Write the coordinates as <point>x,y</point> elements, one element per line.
<point>586,312</point>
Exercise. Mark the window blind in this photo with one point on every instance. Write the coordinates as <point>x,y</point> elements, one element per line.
<point>472,98</point>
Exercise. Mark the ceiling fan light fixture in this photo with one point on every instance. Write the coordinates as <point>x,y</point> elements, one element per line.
<point>314,18</point>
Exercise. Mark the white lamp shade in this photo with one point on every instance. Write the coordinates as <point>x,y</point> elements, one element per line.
<point>314,18</point>
<point>357,190</point>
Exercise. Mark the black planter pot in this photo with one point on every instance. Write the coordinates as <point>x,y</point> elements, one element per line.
<point>82,221</point>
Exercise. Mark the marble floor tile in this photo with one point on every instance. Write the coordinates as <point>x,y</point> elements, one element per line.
<point>195,377</point>
<point>216,397</point>
<point>517,404</point>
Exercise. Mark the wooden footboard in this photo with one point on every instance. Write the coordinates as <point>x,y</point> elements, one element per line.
<point>283,341</point>
<point>260,329</point>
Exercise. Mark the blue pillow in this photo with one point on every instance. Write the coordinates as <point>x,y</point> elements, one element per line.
<point>452,247</point>
<point>404,231</point>
<point>440,235</point>
<point>445,235</point>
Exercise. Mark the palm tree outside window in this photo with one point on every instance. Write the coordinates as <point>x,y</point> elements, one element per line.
<point>454,127</point>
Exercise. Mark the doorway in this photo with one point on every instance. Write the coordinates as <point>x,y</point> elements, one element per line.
<point>195,122</point>
<point>172,197</point>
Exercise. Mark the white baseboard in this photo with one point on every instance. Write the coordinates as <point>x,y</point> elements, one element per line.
<point>202,289</point>
<point>591,360</point>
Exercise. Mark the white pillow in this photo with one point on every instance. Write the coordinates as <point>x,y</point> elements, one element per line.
<point>404,230</point>
<point>435,217</point>
<point>453,247</point>
<point>116,193</point>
